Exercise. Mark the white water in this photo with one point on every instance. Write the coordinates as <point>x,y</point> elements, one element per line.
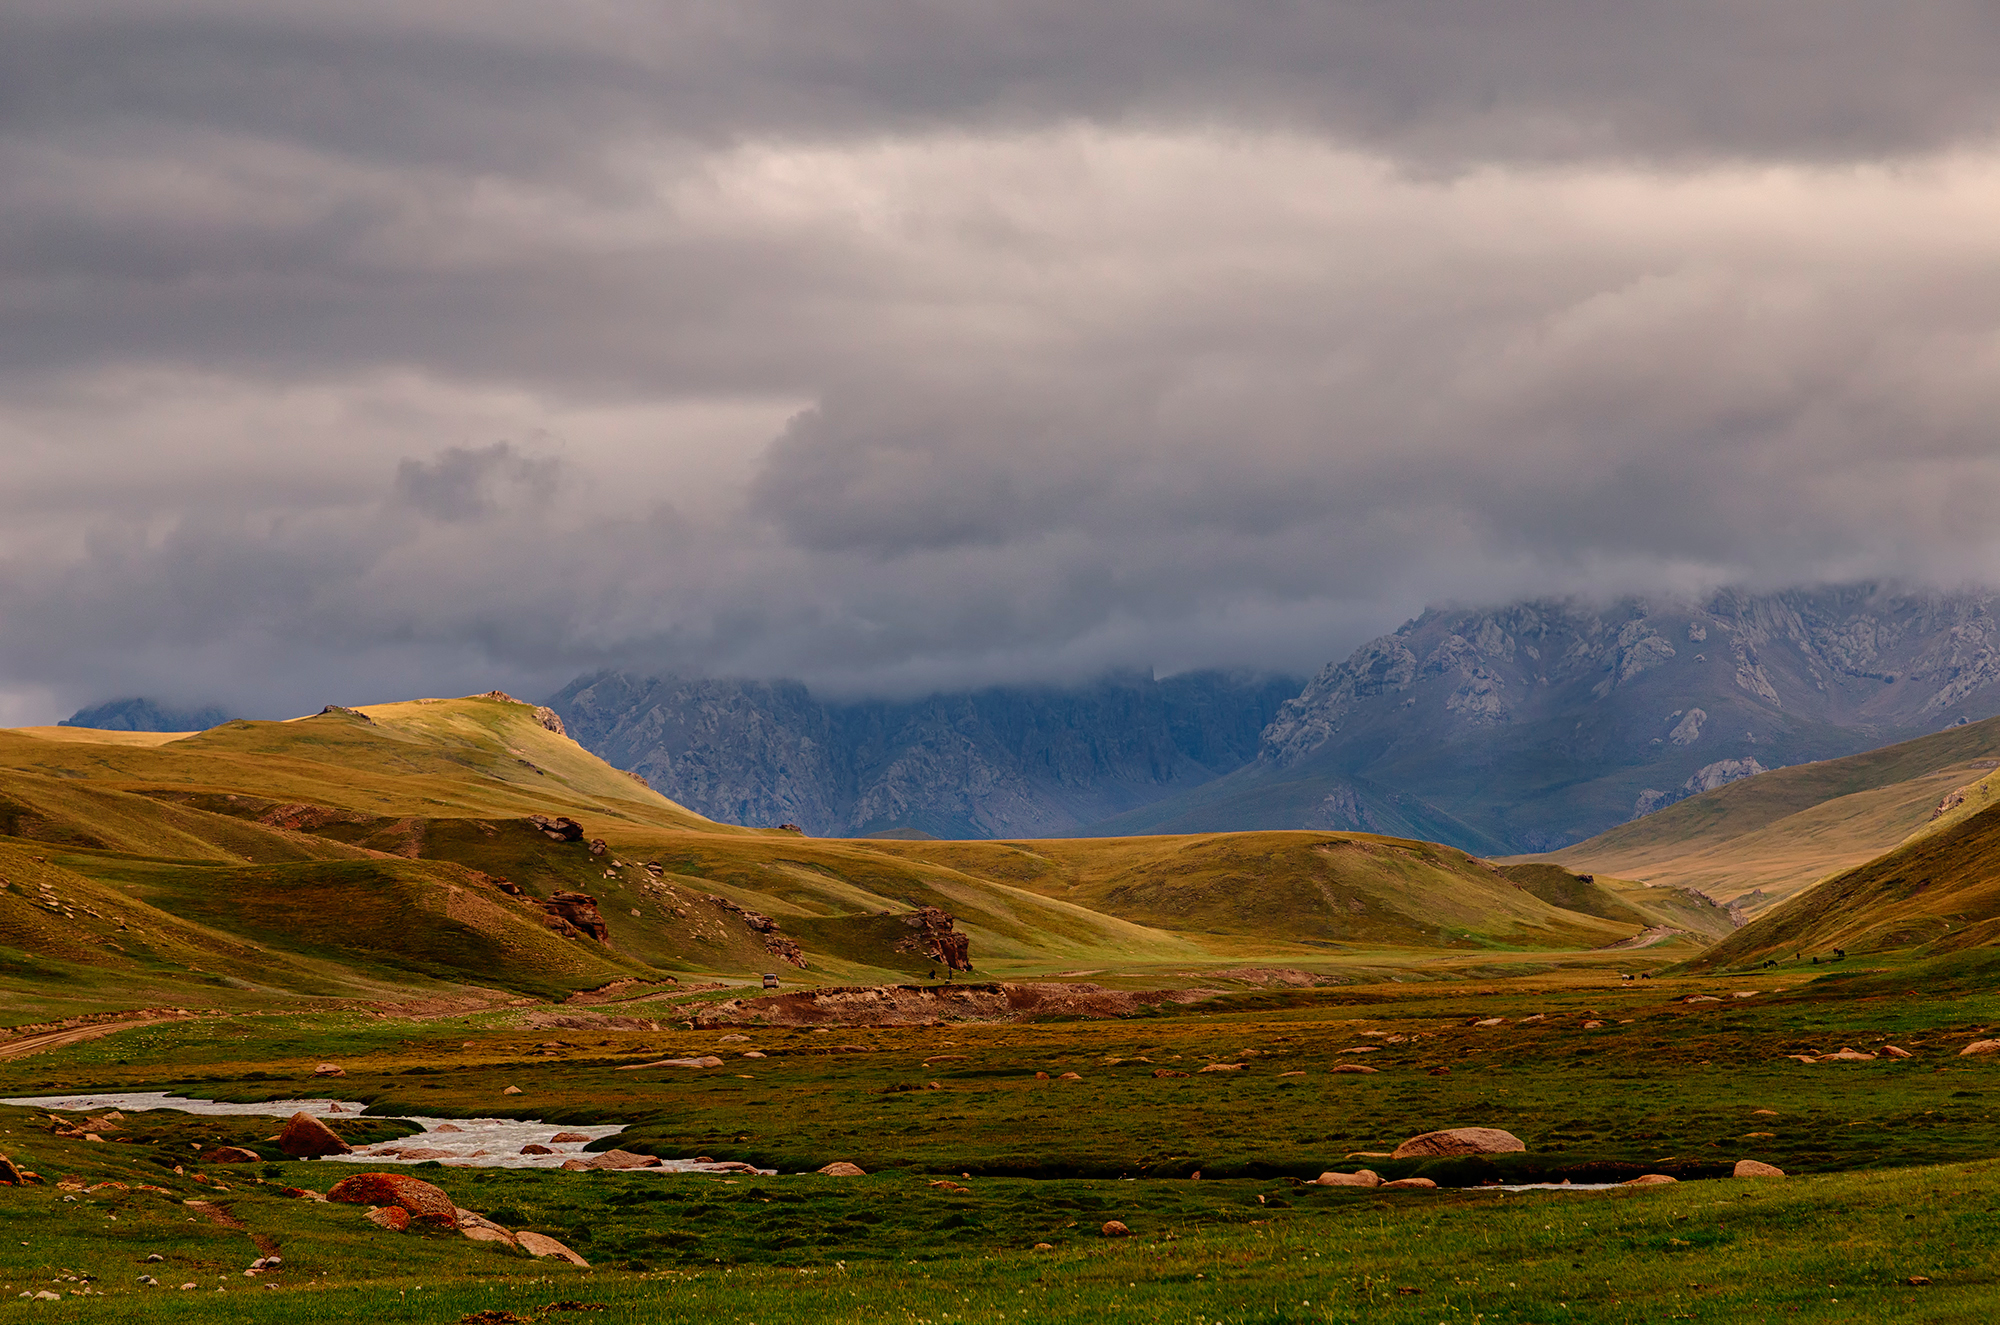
<point>474,1143</point>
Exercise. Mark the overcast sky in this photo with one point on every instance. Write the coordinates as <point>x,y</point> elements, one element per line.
<point>355,351</point>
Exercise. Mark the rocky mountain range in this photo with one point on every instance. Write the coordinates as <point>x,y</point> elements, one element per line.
<point>1528,727</point>
<point>1002,762</point>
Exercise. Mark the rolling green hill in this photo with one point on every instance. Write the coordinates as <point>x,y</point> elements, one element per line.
<point>411,849</point>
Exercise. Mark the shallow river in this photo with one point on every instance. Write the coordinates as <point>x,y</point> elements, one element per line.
<point>469,1142</point>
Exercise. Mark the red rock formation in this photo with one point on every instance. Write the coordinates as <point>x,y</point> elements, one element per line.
<point>579,910</point>
<point>936,939</point>
<point>426,1204</point>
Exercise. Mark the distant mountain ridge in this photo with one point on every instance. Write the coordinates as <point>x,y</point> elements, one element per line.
<point>144,715</point>
<point>1528,727</point>
<point>1001,762</point>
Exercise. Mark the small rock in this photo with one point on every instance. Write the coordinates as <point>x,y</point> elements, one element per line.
<point>230,1155</point>
<point>1050,1246</point>
<point>1219,1067</point>
<point>1069,1076</point>
<point>1491,1021</point>
<point>1592,1025</point>
<point>1408,1183</point>
<point>329,1070</point>
<point>1438,1072</point>
<point>567,1138</point>
<point>753,1053</point>
<point>1701,998</point>
<point>734,1039</point>
<point>148,1279</point>
<point>1918,1281</point>
<point>1460,1141</point>
<point>155,1259</point>
<point>538,1245</point>
<point>1649,1180</point>
<point>533,1149</point>
<point>1356,1069</point>
<point>1114,1228</point>
<point>1895,1052</point>
<point>1979,1047</point>
<point>840,1168</point>
<point>1164,1072</point>
<point>511,1090</point>
<point>1764,1113</point>
<point>1845,1055</point>
<point>1751,1168</point>
<point>1043,1076</point>
<point>1362,1178</point>
<point>447,1127</point>
<point>306,1137</point>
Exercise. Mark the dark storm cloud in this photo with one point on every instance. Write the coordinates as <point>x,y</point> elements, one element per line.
<point>351,351</point>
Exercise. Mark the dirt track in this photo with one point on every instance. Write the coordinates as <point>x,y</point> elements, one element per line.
<point>34,1044</point>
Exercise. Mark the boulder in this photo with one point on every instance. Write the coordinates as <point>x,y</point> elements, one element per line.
<point>1356,1069</point>
<point>539,1245</point>
<point>1460,1141</point>
<point>1751,1168</point>
<point>392,1217</point>
<point>1979,1047</point>
<point>1362,1178</point>
<point>1649,1180</point>
<point>1115,1228</point>
<point>306,1137</point>
<point>230,1155</point>
<point>567,1138</point>
<point>840,1168</point>
<point>1408,1183</point>
<point>424,1203</point>
<point>9,1171</point>
<point>623,1159</point>
<point>329,1070</point>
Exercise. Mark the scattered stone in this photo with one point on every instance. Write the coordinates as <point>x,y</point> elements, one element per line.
<point>155,1259</point>
<point>329,1070</point>
<point>421,1201</point>
<point>447,1127</point>
<point>1163,1072</point>
<point>1491,1021</point>
<point>734,1039</point>
<point>1361,1178</point>
<point>1356,1069</point>
<point>1592,1025</point>
<point>1043,1076</point>
<point>1845,1055</point>
<point>1408,1183</point>
<point>511,1090</point>
<point>706,1060</point>
<point>1649,1180</point>
<point>1050,1246</point>
<point>1979,1047</point>
<point>1114,1228</point>
<point>302,1193</point>
<point>1763,1113</point>
<point>1918,1281</point>
<point>539,1245</point>
<point>1460,1141</point>
<point>1751,1168</point>
<point>753,1053</point>
<point>306,1137</point>
<point>392,1217</point>
<point>840,1168</point>
<point>1895,1052</point>
<point>230,1155</point>
<point>567,1138</point>
<point>623,1159</point>
<point>1438,1072</point>
<point>1296,1074</point>
<point>1069,1076</point>
<point>1219,1067</point>
<point>1701,998</point>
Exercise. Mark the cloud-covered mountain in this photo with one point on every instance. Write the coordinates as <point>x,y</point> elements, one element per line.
<point>1527,727</point>
<point>1002,762</point>
<point>145,715</point>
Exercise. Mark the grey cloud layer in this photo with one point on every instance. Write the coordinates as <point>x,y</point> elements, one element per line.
<point>348,352</point>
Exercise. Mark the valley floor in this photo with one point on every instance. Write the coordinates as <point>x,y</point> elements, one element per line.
<point>1891,1161</point>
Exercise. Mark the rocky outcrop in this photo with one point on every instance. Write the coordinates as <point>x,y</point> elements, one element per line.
<point>936,940</point>
<point>558,829</point>
<point>578,912</point>
<point>777,944</point>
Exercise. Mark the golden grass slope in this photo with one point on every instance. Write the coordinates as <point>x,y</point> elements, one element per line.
<point>1939,893</point>
<point>1764,839</point>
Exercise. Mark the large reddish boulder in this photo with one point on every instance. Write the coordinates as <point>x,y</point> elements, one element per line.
<point>306,1137</point>
<point>1460,1141</point>
<point>426,1204</point>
